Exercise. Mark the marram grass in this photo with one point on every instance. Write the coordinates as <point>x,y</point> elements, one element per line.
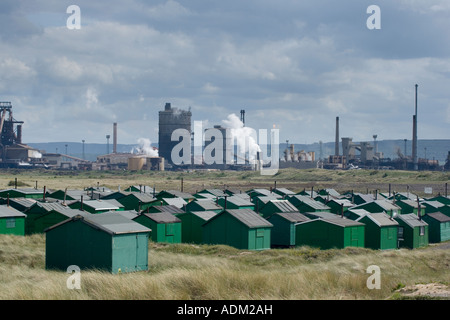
<point>205,272</point>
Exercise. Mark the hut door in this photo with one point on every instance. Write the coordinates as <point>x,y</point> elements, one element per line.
<point>259,241</point>
<point>170,232</point>
<point>354,237</point>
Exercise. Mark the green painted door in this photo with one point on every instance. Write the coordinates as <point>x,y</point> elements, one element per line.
<point>170,232</point>
<point>354,237</point>
<point>259,241</point>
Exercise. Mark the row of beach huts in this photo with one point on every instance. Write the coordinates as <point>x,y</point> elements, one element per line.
<point>105,229</point>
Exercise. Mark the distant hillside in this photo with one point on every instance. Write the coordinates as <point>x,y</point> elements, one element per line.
<point>435,149</point>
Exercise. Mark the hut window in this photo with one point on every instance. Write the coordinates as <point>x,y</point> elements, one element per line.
<point>422,230</point>
<point>10,223</point>
<point>400,233</point>
<point>169,229</point>
<point>260,233</point>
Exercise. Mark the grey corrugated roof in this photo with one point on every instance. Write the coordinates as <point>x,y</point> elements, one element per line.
<point>69,212</point>
<point>177,202</point>
<point>239,201</point>
<point>410,203</point>
<point>261,191</point>
<point>284,191</point>
<point>284,205</point>
<point>323,215</point>
<point>381,219</point>
<point>411,219</point>
<point>439,216</point>
<point>109,204</point>
<point>265,199</point>
<point>9,212</point>
<point>49,206</point>
<point>130,214</point>
<point>26,190</point>
<point>359,212</point>
<point>143,197</point>
<point>205,215</point>
<point>387,205</point>
<point>207,204</point>
<point>345,202</point>
<point>311,202</point>
<point>168,208</point>
<point>250,218</point>
<point>434,204</point>
<point>215,192</point>
<point>26,202</point>
<point>162,217</point>
<point>332,218</point>
<point>179,194</point>
<point>293,216</point>
<point>115,223</point>
<point>111,223</point>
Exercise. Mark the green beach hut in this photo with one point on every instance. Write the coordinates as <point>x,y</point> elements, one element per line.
<point>330,232</point>
<point>438,226</point>
<point>412,231</point>
<point>12,221</point>
<point>137,201</point>
<point>203,205</point>
<point>283,230</point>
<point>274,206</point>
<point>191,225</point>
<point>236,202</point>
<point>381,231</point>
<point>165,226</point>
<point>304,203</point>
<point>239,228</point>
<point>105,241</point>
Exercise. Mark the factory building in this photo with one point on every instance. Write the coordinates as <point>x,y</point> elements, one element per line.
<point>13,153</point>
<point>171,119</point>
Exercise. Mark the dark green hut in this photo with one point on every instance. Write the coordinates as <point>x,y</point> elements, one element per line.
<point>328,233</point>
<point>97,206</point>
<point>438,226</point>
<point>203,205</point>
<point>12,221</point>
<point>274,206</point>
<point>236,202</point>
<point>137,201</point>
<point>191,225</point>
<point>283,231</point>
<point>306,204</point>
<point>23,193</point>
<point>412,231</point>
<point>105,241</point>
<point>241,228</point>
<point>380,232</point>
<point>165,226</point>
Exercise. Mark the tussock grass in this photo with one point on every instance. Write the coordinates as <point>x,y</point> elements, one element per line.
<point>185,271</point>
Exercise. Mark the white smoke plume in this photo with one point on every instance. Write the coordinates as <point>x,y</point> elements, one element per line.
<point>145,148</point>
<point>244,137</point>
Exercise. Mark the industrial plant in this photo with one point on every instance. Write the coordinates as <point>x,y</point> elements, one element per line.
<point>348,154</point>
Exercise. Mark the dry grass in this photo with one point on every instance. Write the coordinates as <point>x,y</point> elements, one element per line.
<point>222,273</point>
<point>296,180</point>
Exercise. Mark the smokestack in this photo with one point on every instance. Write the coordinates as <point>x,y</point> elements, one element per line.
<point>336,144</point>
<point>414,142</point>
<point>19,133</point>
<point>115,137</point>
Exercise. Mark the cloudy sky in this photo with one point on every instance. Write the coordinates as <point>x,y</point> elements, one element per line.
<point>292,64</point>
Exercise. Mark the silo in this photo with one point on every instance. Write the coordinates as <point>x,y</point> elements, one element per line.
<point>171,119</point>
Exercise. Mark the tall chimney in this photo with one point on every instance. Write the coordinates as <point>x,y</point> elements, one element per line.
<point>19,134</point>
<point>336,144</point>
<point>115,137</point>
<point>414,142</point>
